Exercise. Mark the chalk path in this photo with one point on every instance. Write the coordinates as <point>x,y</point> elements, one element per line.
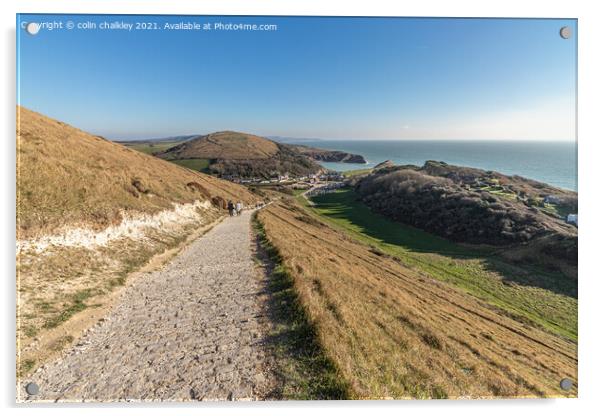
<point>194,330</point>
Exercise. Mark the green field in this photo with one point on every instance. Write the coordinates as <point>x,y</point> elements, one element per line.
<point>200,165</point>
<point>539,297</point>
<point>153,148</point>
<point>298,192</point>
<point>350,173</point>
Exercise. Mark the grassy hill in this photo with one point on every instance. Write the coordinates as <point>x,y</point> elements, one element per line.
<point>405,314</point>
<point>480,271</point>
<point>478,207</point>
<point>66,177</point>
<point>235,154</point>
<point>90,213</point>
<point>153,146</point>
<point>243,155</point>
<point>223,145</point>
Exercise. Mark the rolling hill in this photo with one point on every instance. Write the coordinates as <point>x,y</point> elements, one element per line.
<point>69,177</point>
<point>234,154</point>
<point>224,145</point>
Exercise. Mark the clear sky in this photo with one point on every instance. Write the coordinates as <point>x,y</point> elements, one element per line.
<point>354,78</point>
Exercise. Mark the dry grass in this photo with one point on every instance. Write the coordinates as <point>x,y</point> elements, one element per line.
<point>301,368</point>
<point>395,332</point>
<point>526,292</point>
<point>223,145</point>
<point>67,289</point>
<point>68,177</point>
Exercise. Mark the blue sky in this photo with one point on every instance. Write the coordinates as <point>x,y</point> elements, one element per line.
<point>354,78</point>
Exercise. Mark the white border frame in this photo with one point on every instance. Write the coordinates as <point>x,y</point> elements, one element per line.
<point>590,232</point>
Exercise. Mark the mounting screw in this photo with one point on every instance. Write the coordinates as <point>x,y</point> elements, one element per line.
<point>566,384</point>
<point>32,28</point>
<point>565,32</point>
<point>32,389</point>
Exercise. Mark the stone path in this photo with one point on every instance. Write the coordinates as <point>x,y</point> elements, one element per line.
<point>193,330</point>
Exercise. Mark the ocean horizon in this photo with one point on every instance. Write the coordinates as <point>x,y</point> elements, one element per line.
<point>551,162</point>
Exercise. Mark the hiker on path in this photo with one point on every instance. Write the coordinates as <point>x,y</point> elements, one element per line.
<point>238,208</point>
<point>231,208</point>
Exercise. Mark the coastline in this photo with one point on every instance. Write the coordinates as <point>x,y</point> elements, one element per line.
<point>554,163</point>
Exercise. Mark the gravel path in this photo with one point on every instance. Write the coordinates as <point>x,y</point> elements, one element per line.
<point>194,330</point>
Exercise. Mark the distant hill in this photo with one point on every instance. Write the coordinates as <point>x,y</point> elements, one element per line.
<point>181,138</point>
<point>67,176</point>
<point>478,207</point>
<point>282,139</point>
<point>223,145</point>
<point>230,153</point>
<point>385,164</point>
<point>154,146</point>
<point>323,155</point>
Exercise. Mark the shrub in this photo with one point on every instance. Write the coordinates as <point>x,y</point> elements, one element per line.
<point>436,198</point>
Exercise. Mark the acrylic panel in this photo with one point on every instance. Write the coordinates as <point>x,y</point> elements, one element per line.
<point>295,208</point>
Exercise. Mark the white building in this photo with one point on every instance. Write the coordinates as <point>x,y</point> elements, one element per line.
<point>571,219</point>
<point>551,199</point>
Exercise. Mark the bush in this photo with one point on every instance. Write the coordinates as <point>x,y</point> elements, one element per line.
<point>436,198</point>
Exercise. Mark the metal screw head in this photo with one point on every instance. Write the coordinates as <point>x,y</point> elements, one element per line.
<point>32,28</point>
<point>32,389</point>
<point>565,32</point>
<point>566,384</point>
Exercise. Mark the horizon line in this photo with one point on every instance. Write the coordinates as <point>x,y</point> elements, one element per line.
<point>300,138</point>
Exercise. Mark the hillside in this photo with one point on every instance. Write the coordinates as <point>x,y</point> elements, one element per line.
<point>68,177</point>
<point>476,206</point>
<point>382,165</point>
<point>90,213</point>
<point>223,145</point>
<point>152,146</point>
<point>411,323</point>
<point>234,154</point>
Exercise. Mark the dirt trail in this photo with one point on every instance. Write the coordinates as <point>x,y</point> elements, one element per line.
<point>194,330</point>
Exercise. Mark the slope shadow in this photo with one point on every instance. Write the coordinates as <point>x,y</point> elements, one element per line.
<point>344,206</point>
<point>302,369</point>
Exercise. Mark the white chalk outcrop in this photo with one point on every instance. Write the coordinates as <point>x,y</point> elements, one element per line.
<point>134,226</point>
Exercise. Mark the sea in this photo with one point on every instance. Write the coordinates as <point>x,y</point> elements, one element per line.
<point>554,163</point>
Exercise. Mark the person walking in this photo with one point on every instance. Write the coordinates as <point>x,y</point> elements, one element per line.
<point>238,208</point>
<point>231,208</point>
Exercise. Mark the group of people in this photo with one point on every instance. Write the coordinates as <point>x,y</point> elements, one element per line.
<point>234,209</point>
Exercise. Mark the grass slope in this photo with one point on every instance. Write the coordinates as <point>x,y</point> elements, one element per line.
<point>223,145</point>
<point>394,331</point>
<point>199,165</point>
<point>68,177</point>
<point>233,154</point>
<point>150,148</point>
<point>548,299</point>
<point>302,368</point>
<point>356,172</point>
